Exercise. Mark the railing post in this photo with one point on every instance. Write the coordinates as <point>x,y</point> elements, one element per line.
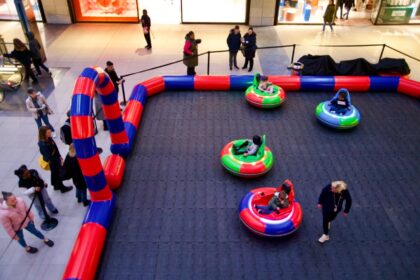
<point>208,63</point>
<point>382,52</point>
<point>124,102</point>
<point>293,53</point>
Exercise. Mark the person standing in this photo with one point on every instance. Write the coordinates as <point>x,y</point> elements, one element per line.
<point>146,23</point>
<point>110,70</point>
<point>249,42</point>
<point>38,106</point>
<point>23,55</point>
<point>329,15</point>
<point>73,171</point>
<point>190,52</point>
<point>340,4</point>
<point>34,48</point>
<point>51,154</point>
<point>33,186</point>
<point>234,43</point>
<point>15,216</point>
<point>331,202</point>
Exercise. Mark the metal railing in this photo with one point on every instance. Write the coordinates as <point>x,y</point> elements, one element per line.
<point>293,47</point>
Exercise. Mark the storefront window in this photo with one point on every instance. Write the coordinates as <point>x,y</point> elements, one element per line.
<point>397,12</point>
<point>162,11</point>
<point>225,11</point>
<point>106,10</point>
<point>312,11</point>
<point>8,10</point>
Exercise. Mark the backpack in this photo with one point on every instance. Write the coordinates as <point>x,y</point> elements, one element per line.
<point>65,133</point>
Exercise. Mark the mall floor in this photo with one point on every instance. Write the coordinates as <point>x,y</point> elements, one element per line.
<point>76,46</point>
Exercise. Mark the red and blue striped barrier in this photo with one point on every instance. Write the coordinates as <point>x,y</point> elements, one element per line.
<point>87,250</point>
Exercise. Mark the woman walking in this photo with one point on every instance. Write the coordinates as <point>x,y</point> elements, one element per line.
<point>234,43</point>
<point>15,216</point>
<point>38,106</point>
<point>34,48</point>
<point>190,53</point>
<point>23,55</point>
<point>331,202</point>
<point>249,42</point>
<point>329,15</point>
<point>51,154</point>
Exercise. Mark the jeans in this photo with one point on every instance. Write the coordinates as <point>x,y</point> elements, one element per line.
<point>326,219</point>
<point>346,14</point>
<point>147,37</point>
<point>251,63</point>
<point>48,203</point>
<point>32,229</point>
<point>44,118</point>
<point>329,23</point>
<point>232,59</point>
<point>29,73</point>
<point>264,209</point>
<point>81,195</point>
<point>39,64</point>
<point>339,5</point>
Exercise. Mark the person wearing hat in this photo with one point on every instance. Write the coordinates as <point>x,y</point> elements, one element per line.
<point>331,202</point>
<point>38,106</point>
<point>146,23</point>
<point>33,186</point>
<point>110,70</point>
<point>15,216</point>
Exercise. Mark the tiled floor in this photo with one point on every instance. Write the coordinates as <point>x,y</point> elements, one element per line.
<point>80,45</point>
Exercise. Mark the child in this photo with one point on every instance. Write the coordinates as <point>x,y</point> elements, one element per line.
<point>280,200</point>
<point>248,148</point>
<point>329,15</point>
<point>340,105</point>
<point>73,171</point>
<point>265,85</point>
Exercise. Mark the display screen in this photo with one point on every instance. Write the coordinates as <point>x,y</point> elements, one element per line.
<point>214,11</point>
<point>106,10</point>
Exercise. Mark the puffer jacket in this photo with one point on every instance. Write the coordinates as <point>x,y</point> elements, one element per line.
<point>190,52</point>
<point>11,217</point>
<point>41,101</point>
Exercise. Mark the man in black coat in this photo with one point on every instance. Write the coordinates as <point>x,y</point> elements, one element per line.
<point>250,47</point>
<point>146,23</point>
<point>110,70</point>
<point>234,43</point>
<point>340,4</point>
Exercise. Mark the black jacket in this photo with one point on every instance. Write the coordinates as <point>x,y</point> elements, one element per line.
<point>114,78</point>
<point>145,21</point>
<point>33,181</point>
<point>326,199</point>
<point>49,150</point>
<point>234,41</point>
<point>23,57</point>
<point>73,171</point>
<point>250,44</point>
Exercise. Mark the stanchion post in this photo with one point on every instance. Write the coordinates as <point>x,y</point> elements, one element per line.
<point>293,53</point>
<point>382,52</point>
<point>124,102</point>
<point>208,63</point>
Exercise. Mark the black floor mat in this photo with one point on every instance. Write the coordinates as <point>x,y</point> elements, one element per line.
<point>176,211</point>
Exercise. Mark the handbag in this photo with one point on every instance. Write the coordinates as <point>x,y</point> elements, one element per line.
<point>43,164</point>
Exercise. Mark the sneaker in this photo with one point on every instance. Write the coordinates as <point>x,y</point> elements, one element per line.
<point>55,212</point>
<point>54,135</point>
<point>31,250</point>
<point>323,238</point>
<point>86,203</point>
<point>49,243</point>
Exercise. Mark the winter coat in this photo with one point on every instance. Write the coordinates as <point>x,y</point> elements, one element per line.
<point>12,217</point>
<point>250,45</point>
<point>41,101</point>
<point>23,57</point>
<point>114,78</point>
<point>72,167</point>
<point>145,21</point>
<point>31,183</point>
<point>234,41</point>
<point>329,13</point>
<point>190,52</point>
<point>328,199</point>
<point>49,150</point>
<point>34,46</point>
